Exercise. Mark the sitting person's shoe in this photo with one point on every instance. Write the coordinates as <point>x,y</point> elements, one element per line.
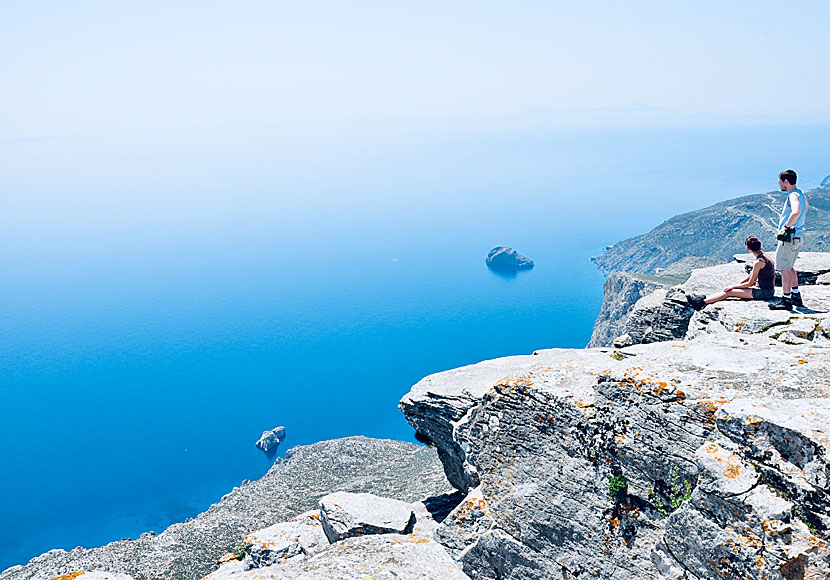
<point>696,301</point>
<point>797,299</point>
<point>783,304</point>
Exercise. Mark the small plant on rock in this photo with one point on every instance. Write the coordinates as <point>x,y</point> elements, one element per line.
<point>618,486</point>
<point>678,492</point>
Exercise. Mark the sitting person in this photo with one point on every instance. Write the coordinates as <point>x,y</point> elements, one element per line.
<point>759,285</point>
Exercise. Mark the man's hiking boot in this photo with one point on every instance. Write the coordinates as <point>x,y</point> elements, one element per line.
<point>782,304</point>
<point>797,299</point>
<point>696,301</point>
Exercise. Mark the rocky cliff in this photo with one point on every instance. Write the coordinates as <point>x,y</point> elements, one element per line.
<point>665,313</point>
<point>667,254</point>
<point>688,459</point>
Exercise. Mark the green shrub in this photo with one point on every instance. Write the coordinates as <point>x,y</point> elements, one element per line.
<point>618,486</point>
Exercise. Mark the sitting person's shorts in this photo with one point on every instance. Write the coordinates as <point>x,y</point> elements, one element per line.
<point>763,294</point>
<point>786,254</point>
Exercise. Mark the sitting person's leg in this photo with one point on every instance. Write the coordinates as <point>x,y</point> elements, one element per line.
<point>745,293</point>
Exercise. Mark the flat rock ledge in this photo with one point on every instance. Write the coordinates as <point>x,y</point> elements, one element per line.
<point>346,515</point>
<point>666,313</point>
<point>704,457</point>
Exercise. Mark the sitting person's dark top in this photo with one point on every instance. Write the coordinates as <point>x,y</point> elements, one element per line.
<point>766,277</point>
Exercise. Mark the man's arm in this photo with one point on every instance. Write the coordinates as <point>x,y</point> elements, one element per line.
<point>795,207</point>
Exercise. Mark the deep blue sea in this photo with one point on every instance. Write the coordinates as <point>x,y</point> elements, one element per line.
<point>167,296</point>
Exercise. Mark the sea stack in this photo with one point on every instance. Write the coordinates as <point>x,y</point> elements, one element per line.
<point>506,257</point>
<point>270,441</point>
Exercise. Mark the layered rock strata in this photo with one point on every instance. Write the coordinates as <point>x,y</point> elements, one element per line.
<point>702,458</point>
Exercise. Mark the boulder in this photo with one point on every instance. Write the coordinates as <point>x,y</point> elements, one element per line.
<point>270,441</point>
<point>300,537</point>
<point>346,515</point>
<point>505,257</point>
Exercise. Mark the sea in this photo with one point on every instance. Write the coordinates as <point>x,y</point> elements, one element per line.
<point>168,295</point>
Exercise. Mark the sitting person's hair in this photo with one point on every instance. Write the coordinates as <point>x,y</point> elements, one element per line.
<point>753,244</point>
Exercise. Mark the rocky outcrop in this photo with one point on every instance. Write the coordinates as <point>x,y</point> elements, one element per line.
<point>299,537</point>
<point>346,515</point>
<point>507,258</point>
<point>375,537</point>
<point>701,458</point>
<point>189,550</point>
<point>270,441</point>
<point>621,291</point>
<point>665,314</point>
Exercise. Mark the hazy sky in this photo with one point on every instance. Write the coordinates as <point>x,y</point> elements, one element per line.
<point>86,66</point>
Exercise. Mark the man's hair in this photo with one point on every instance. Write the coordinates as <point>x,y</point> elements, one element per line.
<point>753,243</point>
<point>788,175</point>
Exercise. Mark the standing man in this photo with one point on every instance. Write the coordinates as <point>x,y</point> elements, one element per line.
<point>790,236</point>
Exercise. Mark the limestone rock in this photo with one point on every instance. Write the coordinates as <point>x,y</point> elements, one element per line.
<point>302,536</point>
<point>270,441</point>
<point>380,557</point>
<point>720,440</point>
<point>506,257</point>
<point>621,290</point>
<point>92,575</point>
<point>346,515</point>
<point>668,314</point>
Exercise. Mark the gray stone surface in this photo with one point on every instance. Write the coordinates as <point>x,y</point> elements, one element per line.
<point>721,441</point>
<point>621,291</point>
<point>667,314</point>
<point>346,515</point>
<point>379,557</point>
<point>189,550</point>
<point>270,441</point>
<point>300,537</point>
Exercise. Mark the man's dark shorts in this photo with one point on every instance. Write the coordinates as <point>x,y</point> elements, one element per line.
<point>758,294</point>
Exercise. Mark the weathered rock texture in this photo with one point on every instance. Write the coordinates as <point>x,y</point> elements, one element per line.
<point>621,293</point>
<point>189,550</point>
<point>701,458</point>
<point>665,313</point>
<point>370,551</point>
<point>346,515</point>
